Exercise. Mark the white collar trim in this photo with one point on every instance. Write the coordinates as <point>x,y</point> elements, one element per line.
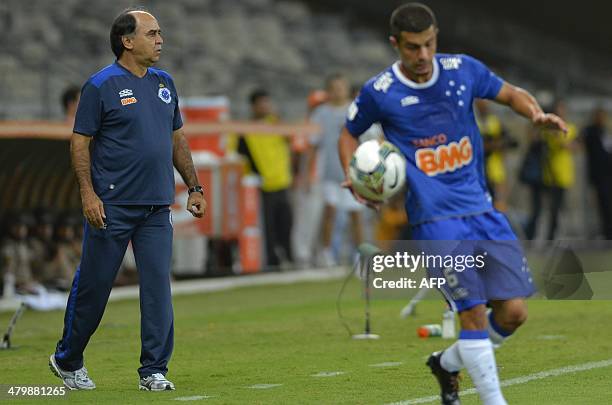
<point>434,77</point>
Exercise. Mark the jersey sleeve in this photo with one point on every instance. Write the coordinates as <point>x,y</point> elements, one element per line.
<point>177,121</point>
<point>363,112</point>
<point>486,83</point>
<point>88,116</point>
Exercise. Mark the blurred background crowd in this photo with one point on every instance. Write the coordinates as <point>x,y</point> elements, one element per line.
<point>289,61</point>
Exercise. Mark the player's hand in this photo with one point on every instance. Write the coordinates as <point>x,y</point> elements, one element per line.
<point>93,209</point>
<point>196,204</point>
<point>375,205</point>
<point>549,121</point>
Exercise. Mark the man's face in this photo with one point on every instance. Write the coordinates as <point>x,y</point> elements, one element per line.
<point>416,51</point>
<point>146,42</point>
<point>262,107</point>
<point>338,90</point>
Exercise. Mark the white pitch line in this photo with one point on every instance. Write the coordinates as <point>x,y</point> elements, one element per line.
<point>551,337</point>
<point>193,398</point>
<point>328,374</point>
<point>263,386</point>
<point>519,380</point>
<point>388,364</point>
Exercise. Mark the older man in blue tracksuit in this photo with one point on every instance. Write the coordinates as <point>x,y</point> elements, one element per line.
<point>130,111</point>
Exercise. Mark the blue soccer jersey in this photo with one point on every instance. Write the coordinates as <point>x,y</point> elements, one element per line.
<point>131,120</point>
<point>433,124</point>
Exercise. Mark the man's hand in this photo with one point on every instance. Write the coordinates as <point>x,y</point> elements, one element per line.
<point>196,204</point>
<point>549,121</point>
<point>375,205</point>
<point>93,209</point>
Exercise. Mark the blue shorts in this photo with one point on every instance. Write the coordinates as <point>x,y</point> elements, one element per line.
<point>502,272</point>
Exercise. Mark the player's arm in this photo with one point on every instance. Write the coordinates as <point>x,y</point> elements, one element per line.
<point>526,105</point>
<point>181,158</point>
<point>347,145</point>
<point>93,209</point>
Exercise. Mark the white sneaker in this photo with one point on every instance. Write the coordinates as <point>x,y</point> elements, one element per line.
<point>73,380</point>
<point>155,382</point>
<point>326,258</point>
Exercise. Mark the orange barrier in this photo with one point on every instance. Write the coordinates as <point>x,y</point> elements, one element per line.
<point>62,131</point>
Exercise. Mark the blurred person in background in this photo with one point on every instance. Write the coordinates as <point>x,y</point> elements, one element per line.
<point>70,101</point>
<point>16,257</point>
<point>269,156</point>
<point>496,142</point>
<point>67,255</point>
<point>307,204</point>
<point>44,250</point>
<point>558,173</point>
<point>330,116</point>
<point>392,223</point>
<point>598,146</point>
<point>126,183</point>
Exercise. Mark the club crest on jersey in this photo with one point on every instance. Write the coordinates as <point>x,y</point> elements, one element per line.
<point>164,95</point>
<point>383,82</point>
<point>445,158</point>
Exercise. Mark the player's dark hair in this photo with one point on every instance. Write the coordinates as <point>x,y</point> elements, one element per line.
<point>70,94</point>
<point>124,24</point>
<point>257,94</point>
<point>411,17</point>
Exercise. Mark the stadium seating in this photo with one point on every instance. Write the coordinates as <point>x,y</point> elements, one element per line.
<point>214,47</point>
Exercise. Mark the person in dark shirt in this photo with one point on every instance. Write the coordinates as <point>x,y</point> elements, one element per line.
<point>597,145</point>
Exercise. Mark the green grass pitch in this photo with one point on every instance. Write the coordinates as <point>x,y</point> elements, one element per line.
<point>228,341</point>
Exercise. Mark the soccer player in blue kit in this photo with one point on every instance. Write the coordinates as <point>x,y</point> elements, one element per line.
<point>424,104</point>
<point>129,115</point>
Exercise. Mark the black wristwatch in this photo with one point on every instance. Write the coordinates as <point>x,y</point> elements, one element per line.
<point>196,189</point>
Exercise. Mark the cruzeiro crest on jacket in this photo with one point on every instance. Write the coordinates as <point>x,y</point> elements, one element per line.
<point>164,94</point>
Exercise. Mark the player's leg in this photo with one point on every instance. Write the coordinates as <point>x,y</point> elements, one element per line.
<point>474,351</point>
<point>536,208</point>
<point>330,196</point>
<point>152,241</point>
<point>505,318</point>
<point>284,224</point>
<point>557,195</point>
<point>103,251</point>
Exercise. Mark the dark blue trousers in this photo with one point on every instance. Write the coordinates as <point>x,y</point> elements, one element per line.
<point>150,230</point>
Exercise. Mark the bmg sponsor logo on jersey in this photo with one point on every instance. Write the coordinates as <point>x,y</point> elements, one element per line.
<point>128,100</point>
<point>445,158</point>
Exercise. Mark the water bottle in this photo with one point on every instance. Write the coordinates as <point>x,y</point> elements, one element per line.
<point>448,325</point>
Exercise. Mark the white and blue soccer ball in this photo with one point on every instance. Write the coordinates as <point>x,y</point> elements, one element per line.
<point>377,170</point>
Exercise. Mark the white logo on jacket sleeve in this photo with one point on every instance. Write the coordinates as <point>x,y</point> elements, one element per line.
<point>383,82</point>
<point>352,111</point>
<point>164,95</point>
